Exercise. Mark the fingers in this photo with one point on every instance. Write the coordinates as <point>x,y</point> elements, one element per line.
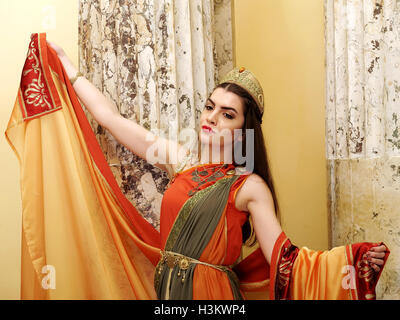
<point>375,261</point>
<point>381,248</point>
<point>51,43</point>
<point>376,254</point>
<point>375,257</point>
<point>57,49</point>
<point>375,267</point>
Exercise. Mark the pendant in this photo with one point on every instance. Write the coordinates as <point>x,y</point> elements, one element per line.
<point>171,261</point>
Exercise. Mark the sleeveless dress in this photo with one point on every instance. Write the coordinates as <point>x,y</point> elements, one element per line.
<point>224,238</point>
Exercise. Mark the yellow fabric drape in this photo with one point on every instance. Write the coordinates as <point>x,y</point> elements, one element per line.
<point>317,275</point>
<point>72,221</point>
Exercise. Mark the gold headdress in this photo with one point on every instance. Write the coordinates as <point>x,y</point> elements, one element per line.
<point>246,79</point>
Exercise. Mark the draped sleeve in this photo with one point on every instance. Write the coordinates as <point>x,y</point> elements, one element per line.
<point>342,273</point>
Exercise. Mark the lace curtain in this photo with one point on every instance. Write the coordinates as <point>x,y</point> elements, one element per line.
<point>158,61</point>
<point>362,127</point>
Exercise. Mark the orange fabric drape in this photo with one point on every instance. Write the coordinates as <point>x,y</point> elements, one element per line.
<point>317,275</point>
<point>342,273</point>
<point>81,238</point>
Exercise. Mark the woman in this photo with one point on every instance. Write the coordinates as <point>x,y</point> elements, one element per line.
<point>208,205</point>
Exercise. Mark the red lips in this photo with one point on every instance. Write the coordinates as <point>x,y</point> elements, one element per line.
<point>207,128</point>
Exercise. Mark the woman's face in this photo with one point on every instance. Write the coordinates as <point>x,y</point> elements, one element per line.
<point>223,112</point>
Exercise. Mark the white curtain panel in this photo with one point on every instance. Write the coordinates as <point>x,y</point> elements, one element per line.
<point>363,78</point>
<point>158,60</point>
<point>363,127</point>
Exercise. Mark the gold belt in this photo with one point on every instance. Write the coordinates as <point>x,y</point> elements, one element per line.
<point>173,259</point>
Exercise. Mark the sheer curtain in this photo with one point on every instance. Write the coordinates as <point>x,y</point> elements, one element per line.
<point>362,127</point>
<point>158,61</point>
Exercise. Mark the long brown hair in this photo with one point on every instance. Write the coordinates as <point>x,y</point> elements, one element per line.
<point>261,166</point>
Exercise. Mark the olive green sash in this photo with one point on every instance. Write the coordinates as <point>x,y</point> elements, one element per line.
<point>189,236</point>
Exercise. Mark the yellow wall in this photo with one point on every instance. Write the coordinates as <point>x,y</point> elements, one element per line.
<point>282,42</point>
<point>18,19</point>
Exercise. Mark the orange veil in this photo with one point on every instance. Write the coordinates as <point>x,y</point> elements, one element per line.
<point>81,237</point>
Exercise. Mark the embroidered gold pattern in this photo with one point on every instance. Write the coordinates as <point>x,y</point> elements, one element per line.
<point>246,79</point>
<point>364,269</point>
<point>196,177</point>
<point>284,273</point>
<point>173,259</point>
<point>35,93</point>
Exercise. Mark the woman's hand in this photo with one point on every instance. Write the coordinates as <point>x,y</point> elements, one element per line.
<point>68,65</point>
<point>60,51</point>
<point>375,257</point>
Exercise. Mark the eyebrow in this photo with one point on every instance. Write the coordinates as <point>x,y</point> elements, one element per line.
<point>222,107</point>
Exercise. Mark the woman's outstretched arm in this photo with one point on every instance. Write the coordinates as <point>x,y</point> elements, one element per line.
<point>255,197</point>
<point>154,149</point>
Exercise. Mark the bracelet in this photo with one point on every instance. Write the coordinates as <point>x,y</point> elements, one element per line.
<point>74,78</point>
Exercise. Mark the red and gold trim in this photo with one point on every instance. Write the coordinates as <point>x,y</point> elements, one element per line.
<point>283,257</point>
<point>37,94</point>
<point>366,278</point>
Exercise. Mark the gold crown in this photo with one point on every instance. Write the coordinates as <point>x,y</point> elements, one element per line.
<point>246,79</point>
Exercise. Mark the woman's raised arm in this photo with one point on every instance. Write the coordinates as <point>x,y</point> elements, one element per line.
<point>154,149</point>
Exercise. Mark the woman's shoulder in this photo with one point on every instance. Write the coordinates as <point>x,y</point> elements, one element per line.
<point>248,190</point>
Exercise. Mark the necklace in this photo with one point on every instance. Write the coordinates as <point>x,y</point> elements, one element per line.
<point>205,172</point>
<point>213,177</point>
<point>196,174</point>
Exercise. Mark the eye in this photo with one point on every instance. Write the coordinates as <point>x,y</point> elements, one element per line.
<point>227,115</point>
<point>208,107</point>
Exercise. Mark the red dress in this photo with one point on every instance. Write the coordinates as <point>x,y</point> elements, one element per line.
<point>224,248</point>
